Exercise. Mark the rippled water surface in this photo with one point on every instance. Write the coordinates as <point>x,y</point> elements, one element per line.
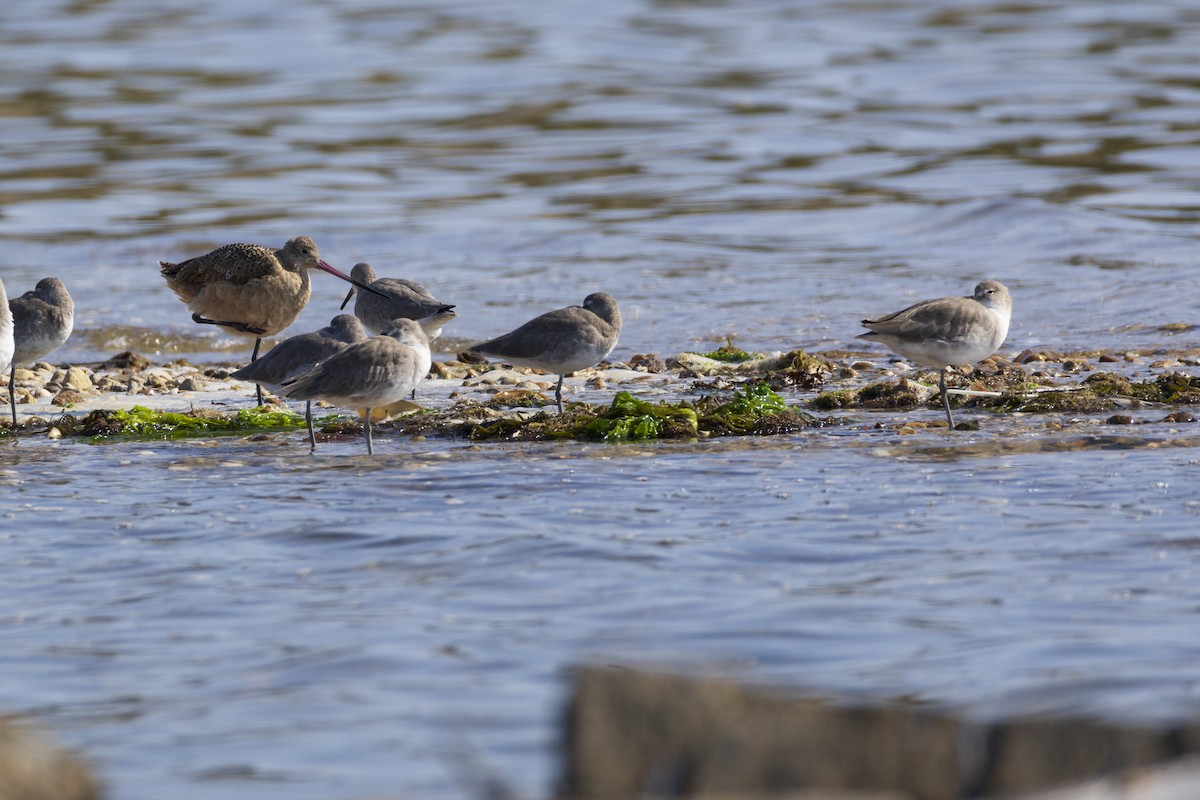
<point>233,618</point>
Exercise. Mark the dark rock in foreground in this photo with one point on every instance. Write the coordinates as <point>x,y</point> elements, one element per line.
<point>632,734</point>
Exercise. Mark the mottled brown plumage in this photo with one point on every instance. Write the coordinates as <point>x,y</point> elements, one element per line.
<point>250,289</point>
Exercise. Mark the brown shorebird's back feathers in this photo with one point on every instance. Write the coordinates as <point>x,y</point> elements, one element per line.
<point>237,264</point>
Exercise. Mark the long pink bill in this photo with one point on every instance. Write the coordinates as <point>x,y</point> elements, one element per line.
<point>323,264</point>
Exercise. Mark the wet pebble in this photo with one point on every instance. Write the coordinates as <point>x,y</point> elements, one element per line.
<point>67,397</point>
<point>192,384</point>
<point>1179,416</point>
<point>1120,419</point>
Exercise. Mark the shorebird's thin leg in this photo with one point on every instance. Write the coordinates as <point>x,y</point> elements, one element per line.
<point>12,393</point>
<point>370,444</point>
<point>946,398</point>
<point>312,437</point>
<point>558,393</point>
<point>237,326</point>
<point>253,358</point>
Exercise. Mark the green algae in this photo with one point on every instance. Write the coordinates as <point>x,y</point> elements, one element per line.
<point>753,410</point>
<point>730,354</point>
<point>146,423</point>
<point>632,420</point>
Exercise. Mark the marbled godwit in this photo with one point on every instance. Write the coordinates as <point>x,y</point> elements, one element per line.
<point>42,319</point>
<point>561,341</point>
<point>397,298</point>
<point>251,289</point>
<point>371,374</point>
<point>947,332</point>
<point>295,356</point>
<point>6,333</point>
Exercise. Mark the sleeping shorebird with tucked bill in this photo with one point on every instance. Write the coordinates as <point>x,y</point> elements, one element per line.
<point>294,356</point>
<point>370,374</point>
<point>395,298</point>
<point>250,289</point>
<point>42,319</point>
<point>561,341</point>
<point>947,332</point>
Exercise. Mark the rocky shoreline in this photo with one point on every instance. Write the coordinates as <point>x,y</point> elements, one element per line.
<point>676,396</point>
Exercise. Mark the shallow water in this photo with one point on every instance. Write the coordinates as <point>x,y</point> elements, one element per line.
<point>234,618</point>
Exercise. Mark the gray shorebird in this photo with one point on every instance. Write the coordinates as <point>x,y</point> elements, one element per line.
<point>397,298</point>
<point>561,341</point>
<point>42,319</point>
<point>298,354</point>
<point>370,374</point>
<point>947,332</point>
<point>251,289</point>
<point>6,333</point>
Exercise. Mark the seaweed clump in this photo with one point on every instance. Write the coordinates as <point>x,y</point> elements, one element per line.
<point>730,354</point>
<point>753,410</point>
<point>143,422</point>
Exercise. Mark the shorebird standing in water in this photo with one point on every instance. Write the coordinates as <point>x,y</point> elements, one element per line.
<point>250,289</point>
<point>6,333</point>
<point>561,341</point>
<point>947,332</point>
<point>370,374</point>
<point>295,356</point>
<point>396,298</point>
<point>42,319</point>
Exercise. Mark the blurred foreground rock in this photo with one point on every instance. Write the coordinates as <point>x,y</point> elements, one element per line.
<point>31,768</point>
<point>635,735</point>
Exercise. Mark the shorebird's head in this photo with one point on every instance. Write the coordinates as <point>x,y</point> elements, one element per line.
<point>301,253</point>
<point>407,331</point>
<point>347,328</point>
<point>364,273</point>
<point>603,306</point>
<point>993,294</point>
<point>54,292</point>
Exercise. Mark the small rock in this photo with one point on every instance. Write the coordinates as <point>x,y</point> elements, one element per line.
<point>648,362</point>
<point>126,360</point>
<point>596,383</point>
<point>467,357</point>
<point>1120,419</point>
<point>216,373</point>
<point>1108,358</point>
<point>1164,363</point>
<point>67,397</point>
<point>1179,416</point>
<point>77,378</point>
<point>191,385</point>
<point>861,365</point>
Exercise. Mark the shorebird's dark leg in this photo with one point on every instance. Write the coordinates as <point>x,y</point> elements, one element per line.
<point>12,394</point>
<point>370,444</point>
<point>312,437</point>
<point>253,358</point>
<point>946,399</point>
<point>558,393</point>
<point>237,326</point>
